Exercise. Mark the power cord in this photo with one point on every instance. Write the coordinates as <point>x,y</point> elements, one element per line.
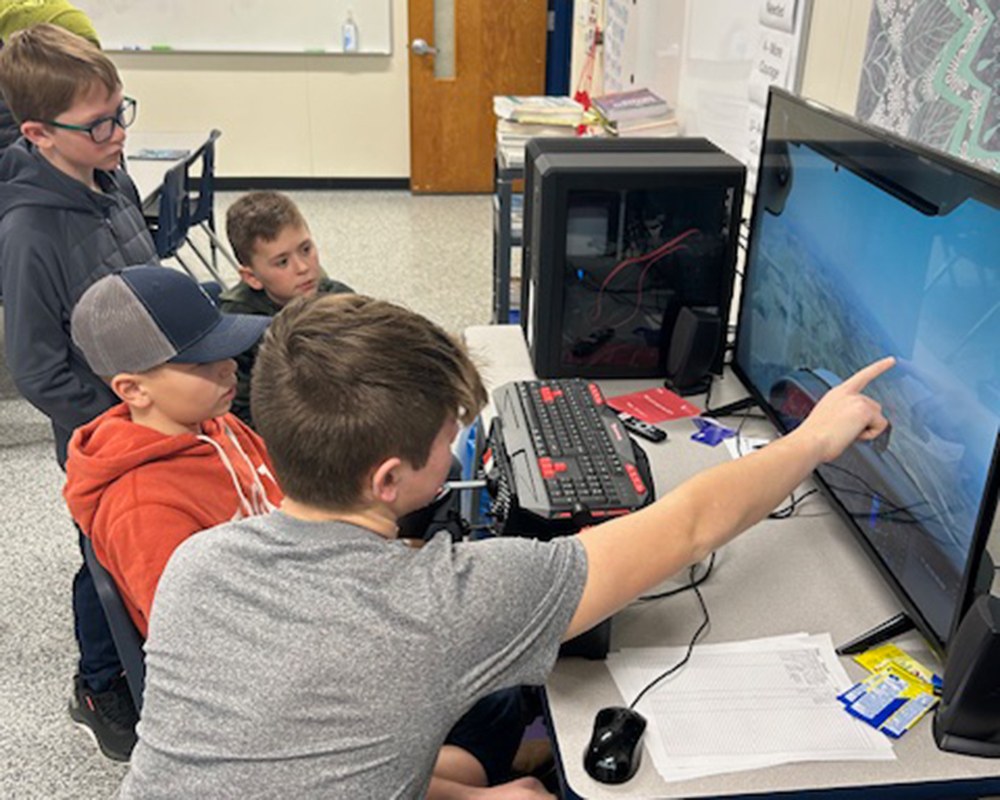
<point>794,502</point>
<point>692,585</point>
<point>687,587</point>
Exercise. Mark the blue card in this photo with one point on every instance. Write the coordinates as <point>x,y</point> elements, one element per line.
<point>710,432</point>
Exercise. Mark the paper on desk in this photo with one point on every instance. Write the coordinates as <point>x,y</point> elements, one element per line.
<point>741,445</point>
<point>654,405</point>
<point>745,705</point>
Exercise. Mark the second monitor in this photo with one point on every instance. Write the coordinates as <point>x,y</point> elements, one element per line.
<point>620,236</point>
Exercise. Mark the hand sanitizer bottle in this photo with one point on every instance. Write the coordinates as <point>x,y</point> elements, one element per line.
<point>350,33</point>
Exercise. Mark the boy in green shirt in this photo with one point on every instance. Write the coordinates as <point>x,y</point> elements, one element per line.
<point>279,261</point>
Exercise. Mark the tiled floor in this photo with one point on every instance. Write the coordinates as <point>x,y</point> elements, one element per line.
<point>431,253</point>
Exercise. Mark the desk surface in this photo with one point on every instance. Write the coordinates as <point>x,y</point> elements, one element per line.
<point>147,174</point>
<point>805,573</point>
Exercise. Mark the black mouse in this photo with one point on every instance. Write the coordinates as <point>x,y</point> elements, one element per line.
<point>614,751</point>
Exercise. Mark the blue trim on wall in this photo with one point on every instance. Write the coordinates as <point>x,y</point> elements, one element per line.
<point>559,47</point>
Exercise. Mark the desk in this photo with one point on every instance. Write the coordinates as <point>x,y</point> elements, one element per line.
<point>147,174</point>
<point>805,573</point>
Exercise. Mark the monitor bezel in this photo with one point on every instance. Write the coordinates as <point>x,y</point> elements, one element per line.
<point>988,503</point>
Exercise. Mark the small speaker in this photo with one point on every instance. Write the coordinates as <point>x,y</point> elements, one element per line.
<point>967,720</point>
<point>692,348</point>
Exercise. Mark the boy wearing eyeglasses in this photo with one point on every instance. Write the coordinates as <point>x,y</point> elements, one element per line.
<point>16,15</point>
<point>68,216</point>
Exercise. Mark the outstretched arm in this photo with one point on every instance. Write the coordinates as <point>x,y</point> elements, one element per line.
<point>632,554</point>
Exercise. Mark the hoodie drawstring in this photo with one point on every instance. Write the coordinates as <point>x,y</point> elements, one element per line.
<point>259,498</point>
<point>258,502</point>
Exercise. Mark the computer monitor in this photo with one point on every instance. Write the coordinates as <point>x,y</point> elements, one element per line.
<point>862,245</point>
<point>619,236</point>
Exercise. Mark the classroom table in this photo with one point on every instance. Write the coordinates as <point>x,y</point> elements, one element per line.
<point>806,573</point>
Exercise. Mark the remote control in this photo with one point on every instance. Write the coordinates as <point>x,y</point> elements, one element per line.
<point>640,428</point>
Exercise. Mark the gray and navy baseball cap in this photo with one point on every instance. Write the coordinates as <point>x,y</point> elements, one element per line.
<point>142,317</point>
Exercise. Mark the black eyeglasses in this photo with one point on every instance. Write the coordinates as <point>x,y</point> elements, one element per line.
<point>103,129</point>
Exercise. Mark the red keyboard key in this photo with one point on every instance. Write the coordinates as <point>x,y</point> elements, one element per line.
<point>636,479</point>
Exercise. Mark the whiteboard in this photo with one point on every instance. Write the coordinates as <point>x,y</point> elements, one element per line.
<point>239,26</point>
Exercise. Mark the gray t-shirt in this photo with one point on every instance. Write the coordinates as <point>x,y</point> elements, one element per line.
<point>302,659</point>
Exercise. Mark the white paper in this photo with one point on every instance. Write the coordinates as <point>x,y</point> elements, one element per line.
<point>745,705</point>
<point>739,446</point>
<point>779,14</point>
<point>772,64</point>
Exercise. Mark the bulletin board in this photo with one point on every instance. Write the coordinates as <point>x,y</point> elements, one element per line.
<point>239,26</point>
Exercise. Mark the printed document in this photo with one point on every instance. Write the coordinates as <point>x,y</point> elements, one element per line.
<point>745,705</point>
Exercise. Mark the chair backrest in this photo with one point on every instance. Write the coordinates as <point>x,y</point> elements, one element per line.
<point>128,641</point>
<point>201,188</point>
<point>174,216</point>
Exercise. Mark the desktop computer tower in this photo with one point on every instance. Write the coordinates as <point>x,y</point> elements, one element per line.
<point>620,235</point>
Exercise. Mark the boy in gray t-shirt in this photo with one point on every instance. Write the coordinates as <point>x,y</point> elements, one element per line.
<point>310,653</point>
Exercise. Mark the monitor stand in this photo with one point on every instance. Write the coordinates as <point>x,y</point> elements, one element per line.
<point>901,623</point>
<point>730,408</point>
<point>884,631</point>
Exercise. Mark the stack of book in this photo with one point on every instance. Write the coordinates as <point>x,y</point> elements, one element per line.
<point>539,109</point>
<point>513,136</point>
<point>521,118</point>
<point>636,113</point>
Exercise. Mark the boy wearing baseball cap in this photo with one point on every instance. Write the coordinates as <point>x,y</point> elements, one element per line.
<point>169,460</point>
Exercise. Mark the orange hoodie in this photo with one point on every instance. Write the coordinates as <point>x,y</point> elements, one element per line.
<point>138,493</point>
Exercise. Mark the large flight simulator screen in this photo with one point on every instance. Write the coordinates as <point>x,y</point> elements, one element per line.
<point>861,247</point>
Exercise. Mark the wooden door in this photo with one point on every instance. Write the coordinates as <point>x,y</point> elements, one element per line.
<point>499,48</point>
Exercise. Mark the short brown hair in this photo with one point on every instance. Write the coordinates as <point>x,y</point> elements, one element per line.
<point>342,382</point>
<point>259,215</point>
<point>45,68</point>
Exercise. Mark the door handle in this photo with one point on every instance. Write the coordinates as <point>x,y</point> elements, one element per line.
<point>421,48</point>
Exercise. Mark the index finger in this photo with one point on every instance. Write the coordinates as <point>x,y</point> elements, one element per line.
<point>860,379</point>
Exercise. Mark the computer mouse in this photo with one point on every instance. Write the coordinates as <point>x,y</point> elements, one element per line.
<point>614,751</point>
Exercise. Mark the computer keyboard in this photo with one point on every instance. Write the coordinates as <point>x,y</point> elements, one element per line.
<point>564,453</point>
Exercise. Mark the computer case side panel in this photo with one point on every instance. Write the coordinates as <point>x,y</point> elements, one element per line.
<point>618,242</point>
<point>542,145</point>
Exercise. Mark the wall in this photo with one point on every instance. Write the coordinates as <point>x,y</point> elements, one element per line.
<point>284,115</point>
<point>347,116</point>
<point>834,51</point>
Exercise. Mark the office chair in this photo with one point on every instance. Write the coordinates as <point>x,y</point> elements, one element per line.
<point>169,226</point>
<point>186,200</point>
<point>126,636</point>
<point>201,196</point>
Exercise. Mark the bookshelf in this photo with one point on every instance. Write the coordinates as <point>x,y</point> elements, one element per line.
<point>507,232</point>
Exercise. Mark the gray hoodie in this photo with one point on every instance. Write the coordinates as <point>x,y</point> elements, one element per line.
<point>57,237</point>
